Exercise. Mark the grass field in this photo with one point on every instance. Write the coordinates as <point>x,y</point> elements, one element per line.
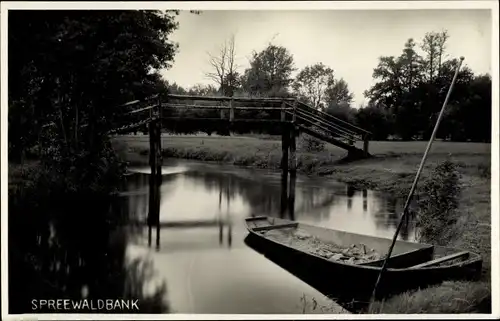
<point>393,161</point>
<point>392,170</point>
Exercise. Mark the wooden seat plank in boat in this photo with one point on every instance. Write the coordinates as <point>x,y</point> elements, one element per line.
<point>463,254</point>
<point>274,227</point>
<point>256,218</point>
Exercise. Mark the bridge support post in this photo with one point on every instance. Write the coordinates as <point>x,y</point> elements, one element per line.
<point>159,156</point>
<point>158,180</point>
<point>283,111</point>
<point>366,140</point>
<point>284,194</point>
<point>152,178</point>
<point>293,149</point>
<point>285,144</point>
<point>231,110</point>
<point>295,104</point>
<point>291,196</point>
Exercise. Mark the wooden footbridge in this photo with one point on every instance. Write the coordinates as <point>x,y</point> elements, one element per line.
<point>290,116</point>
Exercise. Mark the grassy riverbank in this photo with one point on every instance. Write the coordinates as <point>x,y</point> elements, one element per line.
<point>391,170</point>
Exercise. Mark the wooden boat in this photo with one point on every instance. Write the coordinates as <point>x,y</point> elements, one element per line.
<point>411,265</point>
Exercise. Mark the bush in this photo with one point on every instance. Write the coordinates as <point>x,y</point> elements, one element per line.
<point>311,144</point>
<point>437,215</point>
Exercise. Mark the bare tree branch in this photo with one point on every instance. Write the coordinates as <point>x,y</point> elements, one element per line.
<point>224,67</point>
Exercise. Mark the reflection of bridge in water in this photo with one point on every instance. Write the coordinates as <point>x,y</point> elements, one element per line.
<point>139,204</point>
<point>312,203</point>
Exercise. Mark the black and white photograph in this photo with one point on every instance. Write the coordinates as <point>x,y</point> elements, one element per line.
<point>256,160</point>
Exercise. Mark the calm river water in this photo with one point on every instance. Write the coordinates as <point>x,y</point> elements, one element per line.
<point>207,267</point>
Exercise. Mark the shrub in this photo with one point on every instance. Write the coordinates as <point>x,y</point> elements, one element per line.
<point>437,215</point>
<point>310,144</point>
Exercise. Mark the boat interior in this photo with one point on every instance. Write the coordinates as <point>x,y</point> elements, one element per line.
<point>406,255</point>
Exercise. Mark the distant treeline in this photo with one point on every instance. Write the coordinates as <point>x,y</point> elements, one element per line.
<point>402,104</point>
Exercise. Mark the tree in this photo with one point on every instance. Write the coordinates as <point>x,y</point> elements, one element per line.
<point>402,89</point>
<point>411,66</point>
<point>269,73</point>
<point>397,77</point>
<point>434,93</point>
<point>75,67</point>
<point>470,118</point>
<point>376,120</point>
<point>342,111</point>
<point>413,90</point>
<point>338,99</point>
<point>224,67</point>
<point>312,83</point>
<point>202,90</point>
<point>434,45</point>
<point>387,92</point>
<point>338,93</point>
<point>407,115</point>
<point>176,89</point>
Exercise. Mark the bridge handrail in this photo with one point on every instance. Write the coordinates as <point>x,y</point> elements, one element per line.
<point>346,137</point>
<point>140,109</point>
<point>287,101</point>
<point>323,134</point>
<point>225,98</point>
<point>333,117</point>
<point>169,105</point>
<point>134,125</point>
<point>336,130</point>
<point>335,126</point>
<point>133,102</point>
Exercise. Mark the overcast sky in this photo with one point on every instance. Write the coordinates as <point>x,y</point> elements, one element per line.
<point>349,42</point>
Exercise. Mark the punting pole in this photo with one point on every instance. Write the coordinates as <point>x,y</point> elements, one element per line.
<point>417,176</point>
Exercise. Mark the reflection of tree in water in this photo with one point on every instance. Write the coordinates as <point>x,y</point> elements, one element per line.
<point>265,199</point>
<point>389,214</point>
<point>315,203</point>
<point>60,243</point>
<point>135,204</point>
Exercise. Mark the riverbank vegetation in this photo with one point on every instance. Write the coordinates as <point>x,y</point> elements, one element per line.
<point>69,72</point>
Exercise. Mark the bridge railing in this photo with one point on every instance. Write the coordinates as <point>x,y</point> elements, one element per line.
<point>307,116</point>
<point>244,109</point>
<point>287,104</point>
<point>347,125</point>
<point>239,109</point>
<point>324,127</point>
<point>337,125</point>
